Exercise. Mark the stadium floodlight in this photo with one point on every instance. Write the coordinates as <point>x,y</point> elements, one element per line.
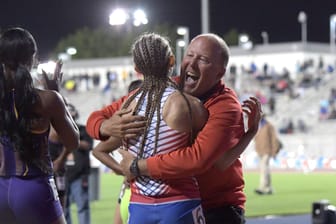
<point>118,17</point>
<point>184,31</point>
<point>139,17</point>
<point>245,42</point>
<point>243,38</point>
<point>71,51</point>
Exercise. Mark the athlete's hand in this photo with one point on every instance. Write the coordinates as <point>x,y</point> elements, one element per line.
<point>58,165</point>
<point>123,125</point>
<point>55,81</point>
<point>125,163</point>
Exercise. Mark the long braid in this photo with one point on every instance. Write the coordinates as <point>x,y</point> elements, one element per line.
<point>151,55</point>
<point>5,105</point>
<point>158,108</point>
<point>18,95</point>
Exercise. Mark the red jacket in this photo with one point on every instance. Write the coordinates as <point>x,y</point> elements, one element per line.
<point>222,131</point>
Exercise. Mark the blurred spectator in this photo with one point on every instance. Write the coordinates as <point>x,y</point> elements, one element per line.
<point>96,80</point>
<point>253,68</point>
<point>262,98</point>
<point>302,126</point>
<point>232,75</point>
<point>281,85</point>
<point>265,69</point>
<point>77,175</point>
<point>324,109</point>
<point>332,114</point>
<point>332,96</point>
<point>267,145</point>
<point>272,104</point>
<point>330,69</point>
<point>70,85</point>
<point>287,126</point>
<point>55,147</point>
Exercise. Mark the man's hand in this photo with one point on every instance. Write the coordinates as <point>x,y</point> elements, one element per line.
<point>123,125</point>
<point>56,79</point>
<point>125,163</point>
<point>252,108</point>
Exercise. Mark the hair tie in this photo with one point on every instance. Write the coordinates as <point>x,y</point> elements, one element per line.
<point>14,106</point>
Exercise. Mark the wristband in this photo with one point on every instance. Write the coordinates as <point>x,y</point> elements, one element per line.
<point>134,168</point>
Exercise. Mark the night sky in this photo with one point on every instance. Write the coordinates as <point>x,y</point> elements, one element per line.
<point>49,20</point>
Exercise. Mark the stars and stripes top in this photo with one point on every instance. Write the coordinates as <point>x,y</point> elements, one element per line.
<point>152,191</point>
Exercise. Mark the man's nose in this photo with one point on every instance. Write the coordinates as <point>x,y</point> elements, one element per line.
<point>193,62</point>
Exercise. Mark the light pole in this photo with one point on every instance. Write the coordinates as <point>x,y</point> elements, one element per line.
<point>184,31</point>
<point>179,45</point>
<point>302,18</point>
<point>332,32</point>
<point>264,36</point>
<point>205,15</point>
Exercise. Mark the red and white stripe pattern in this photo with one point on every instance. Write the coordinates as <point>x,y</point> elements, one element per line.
<point>168,140</point>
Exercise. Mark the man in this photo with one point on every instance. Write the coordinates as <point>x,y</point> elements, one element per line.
<point>267,146</point>
<point>77,175</point>
<point>202,69</point>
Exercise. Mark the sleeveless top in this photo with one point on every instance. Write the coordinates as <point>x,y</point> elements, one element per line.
<point>11,163</point>
<point>149,190</point>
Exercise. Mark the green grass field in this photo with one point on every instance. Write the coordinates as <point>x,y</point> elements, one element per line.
<point>294,194</point>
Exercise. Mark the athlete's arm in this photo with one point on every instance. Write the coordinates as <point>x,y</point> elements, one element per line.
<point>102,153</point>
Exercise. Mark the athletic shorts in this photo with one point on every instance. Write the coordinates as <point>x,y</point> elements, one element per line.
<point>29,200</point>
<point>182,212</point>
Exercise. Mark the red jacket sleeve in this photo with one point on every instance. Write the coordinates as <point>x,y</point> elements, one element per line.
<point>97,117</point>
<point>222,131</point>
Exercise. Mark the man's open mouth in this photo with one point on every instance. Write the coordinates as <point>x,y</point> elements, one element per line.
<point>191,78</point>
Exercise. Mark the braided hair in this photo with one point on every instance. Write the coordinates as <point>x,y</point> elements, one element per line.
<point>17,93</point>
<point>152,57</point>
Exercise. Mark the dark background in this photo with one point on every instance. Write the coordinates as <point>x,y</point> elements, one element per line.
<point>50,20</point>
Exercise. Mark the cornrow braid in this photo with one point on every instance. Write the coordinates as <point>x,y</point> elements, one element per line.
<point>151,56</point>
<point>159,96</point>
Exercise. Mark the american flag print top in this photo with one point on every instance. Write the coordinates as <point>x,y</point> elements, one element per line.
<point>168,140</point>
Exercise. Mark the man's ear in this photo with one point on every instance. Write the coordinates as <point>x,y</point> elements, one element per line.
<point>136,69</point>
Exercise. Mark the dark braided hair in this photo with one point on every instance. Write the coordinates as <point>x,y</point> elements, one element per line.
<point>151,55</point>
<point>17,93</point>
